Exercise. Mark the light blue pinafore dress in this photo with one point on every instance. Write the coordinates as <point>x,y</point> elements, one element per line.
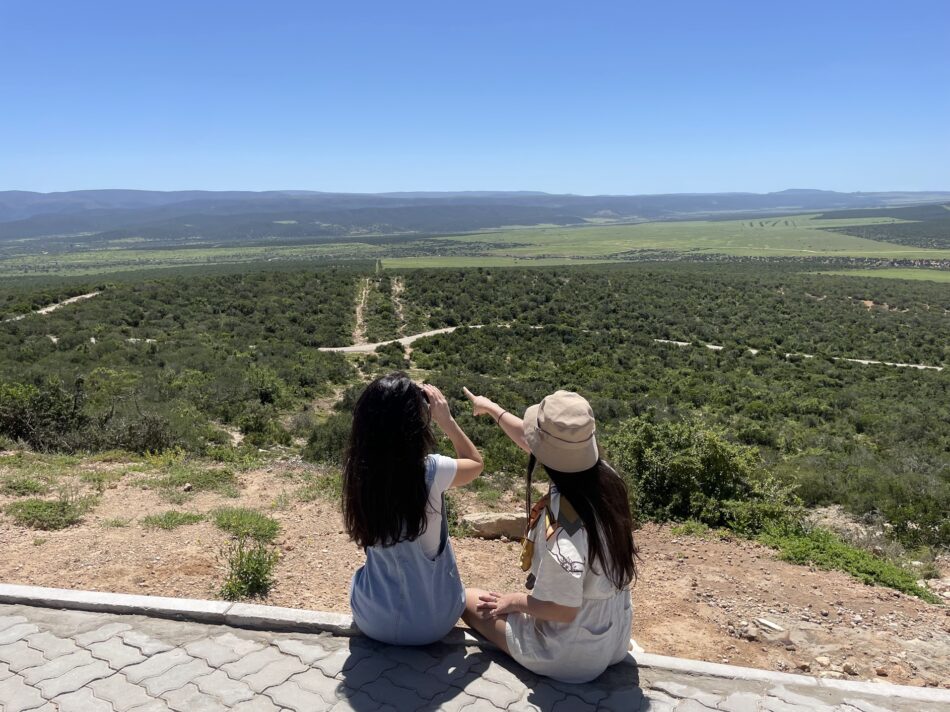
<point>401,596</point>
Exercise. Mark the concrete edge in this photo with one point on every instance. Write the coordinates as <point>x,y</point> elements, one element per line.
<point>274,618</point>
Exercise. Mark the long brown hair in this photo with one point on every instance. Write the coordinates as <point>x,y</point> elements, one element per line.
<point>384,487</point>
<point>599,496</point>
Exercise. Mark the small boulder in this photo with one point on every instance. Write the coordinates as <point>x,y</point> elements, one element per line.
<point>494,525</point>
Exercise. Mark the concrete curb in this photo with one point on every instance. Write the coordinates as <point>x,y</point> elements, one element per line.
<point>296,620</point>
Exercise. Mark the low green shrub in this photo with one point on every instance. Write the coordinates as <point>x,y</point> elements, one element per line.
<point>246,523</point>
<point>23,486</point>
<point>64,511</point>
<point>329,487</point>
<point>821,548</point>
<point>250,569</point>
<point>171,519</point>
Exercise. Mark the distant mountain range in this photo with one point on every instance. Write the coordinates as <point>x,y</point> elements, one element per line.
<point>201,217</point>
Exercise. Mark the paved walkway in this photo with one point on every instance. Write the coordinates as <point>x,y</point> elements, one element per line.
<point>83,661</point>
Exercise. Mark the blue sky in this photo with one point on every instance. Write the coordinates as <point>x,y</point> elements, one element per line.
<point>583,97</point>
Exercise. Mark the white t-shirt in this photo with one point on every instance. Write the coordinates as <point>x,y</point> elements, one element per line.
<point>445,468</point>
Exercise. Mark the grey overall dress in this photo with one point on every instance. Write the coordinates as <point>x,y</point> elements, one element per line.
<point>401,596</point>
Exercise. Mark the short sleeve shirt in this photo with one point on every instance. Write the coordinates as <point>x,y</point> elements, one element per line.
<point>445,468</point>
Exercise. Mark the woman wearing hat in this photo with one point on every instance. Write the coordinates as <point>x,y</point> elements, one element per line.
<point>575,619</point>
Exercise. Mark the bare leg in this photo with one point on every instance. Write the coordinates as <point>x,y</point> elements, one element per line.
<point>491,628</point>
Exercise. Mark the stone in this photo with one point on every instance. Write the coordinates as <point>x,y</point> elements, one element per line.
<point>120,692</point>
<point>823,660</point>
<point>274,673</point>
<point>176,677</point>
<point>219,685</point>
<point>849,669</point>
<point>116,653</point>
<point>493,525</point>
<point>74,679</point>
<point>17,696</point>
<point>82,701</point>
<point>190,699</point>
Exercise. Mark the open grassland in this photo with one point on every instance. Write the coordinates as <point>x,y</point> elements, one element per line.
<point>792,236</point>
<point>927,275</point>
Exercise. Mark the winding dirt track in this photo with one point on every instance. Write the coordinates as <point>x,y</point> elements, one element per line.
<point>57,305</point>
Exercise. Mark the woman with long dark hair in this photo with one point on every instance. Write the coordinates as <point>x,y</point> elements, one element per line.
<point>408,592</point>
<point>575,619</point>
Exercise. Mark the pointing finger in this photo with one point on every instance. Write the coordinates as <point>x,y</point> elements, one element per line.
<point>468,394</point>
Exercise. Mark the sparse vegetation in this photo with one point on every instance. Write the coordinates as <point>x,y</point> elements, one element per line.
<point>64,511</point>
<point>250,569</point>
<point>171,519</point>
<point>246,523</point>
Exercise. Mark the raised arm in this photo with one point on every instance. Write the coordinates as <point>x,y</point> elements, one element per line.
<point>510,423</point>
<point>469,461</point>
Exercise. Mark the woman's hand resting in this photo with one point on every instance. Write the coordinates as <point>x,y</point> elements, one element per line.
<point>492,605</point>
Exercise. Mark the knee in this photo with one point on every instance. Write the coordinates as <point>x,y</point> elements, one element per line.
<point>471,599</point>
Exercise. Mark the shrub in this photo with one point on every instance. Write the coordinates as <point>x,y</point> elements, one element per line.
<point>23,486</point>
<point>246,523</point>
<point>328,487</point>
<point>261,427</point>
<point>64,511</point>
<point>250,569</point>
<point>171,519</point>
<point>327,442</point>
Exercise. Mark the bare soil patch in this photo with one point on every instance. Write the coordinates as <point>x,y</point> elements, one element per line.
<point>691,600</point>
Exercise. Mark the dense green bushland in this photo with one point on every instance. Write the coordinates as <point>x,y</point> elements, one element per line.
<point>148,365</point>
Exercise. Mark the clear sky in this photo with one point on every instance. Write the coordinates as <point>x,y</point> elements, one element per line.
<point>584,97</point>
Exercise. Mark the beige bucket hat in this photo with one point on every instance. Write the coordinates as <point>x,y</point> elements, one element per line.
<point>560,432</point>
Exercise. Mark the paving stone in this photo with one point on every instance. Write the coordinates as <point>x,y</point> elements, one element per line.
<point>81,701</point>
<point>117,653</point>
<point>219,685</point>
<point>20,656</point>
<point>190,699</point>
<point>156,665</point>
<point>367,670</point>
<point>308,653</point>
<point>361,702</point>
<point>498,695</point>
<point>101,633</point>
<point>329,688</point>
<point>385,692</point>
<point>121,693</point>
<point>333,663</point>
<point>774,704</point>
<point>627,699</point>
<point>74,679</point>
<point>153,706</point>
<point>423,685</point>
<point>17,632</point>
<point>258,704</point>
<point>50,645</point>
<point>294,697</point>
<point>573,703</point>
<point>865,706</point>
<point>454,700</point>
<point>176,677</point>
<point>507,675</point>
<point>221,649</point>
<point>543,697</point>
<point>694,706</point>
<point>274,673</point>
<point>17,695</point>
<point>5,671</point>
<point>252,663</point>
<point>686,692</point>
<point>147,644</point>
<point>10,621</point>
<point>416,658</point>
<point>791,697</point>
<point>454,668</point>
<point>57,667</point>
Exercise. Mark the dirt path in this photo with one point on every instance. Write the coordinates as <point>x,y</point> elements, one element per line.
<point>57,305</point>
<point>398,287</point>
<point>359,330</point>
<point>691,600</point>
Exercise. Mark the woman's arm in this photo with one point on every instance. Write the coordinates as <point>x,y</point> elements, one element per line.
<point>492,605</point>
<point>509,422</point>
<point>469,461</point>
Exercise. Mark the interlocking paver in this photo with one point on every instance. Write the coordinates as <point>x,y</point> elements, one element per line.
<point>190,699</point>
<point>153,706</point>
<point>361,702</point>
<point>100,634</point>
<point>222,649</point>
<point>20,656</point>
<point>52,646</point>
<point>81,701</point>
<point>117,653</point>
<point>5,671</point>
<point>255,662</point>
<point>121,693</point>
<point>385,692</point>
<point>308,653</point>
<point>74,679</point>
<point>296,698</point>
<point>17,695</point>
<point>498,695</point>
<point>274,673</point>
<point>258,704</point>
<point>329,688</point>
<point>367,670</point>
<point>146,643</point>
<point>543,697</point>
<point>156,665</point>
<point>10,621</point>
<point>57,667</point>
<point>176,677</point>
<point>333,663</point>
<point>423,685</point>
<point>740,702</point>
<point>454,700</point>
<point>219,685</point>
<point>17,632</point>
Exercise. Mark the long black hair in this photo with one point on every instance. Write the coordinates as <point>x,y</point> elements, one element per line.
<point>599,496</point>
<point>384,488</point>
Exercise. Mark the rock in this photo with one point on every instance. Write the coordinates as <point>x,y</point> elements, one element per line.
<point>803,666</point>
<point>823,660</point>
<point>187,487</point>
<point>850,669</point>
<point>824,614</point>
<point>493,525</point>
<point>881,671</point>
<point>831,674</point>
